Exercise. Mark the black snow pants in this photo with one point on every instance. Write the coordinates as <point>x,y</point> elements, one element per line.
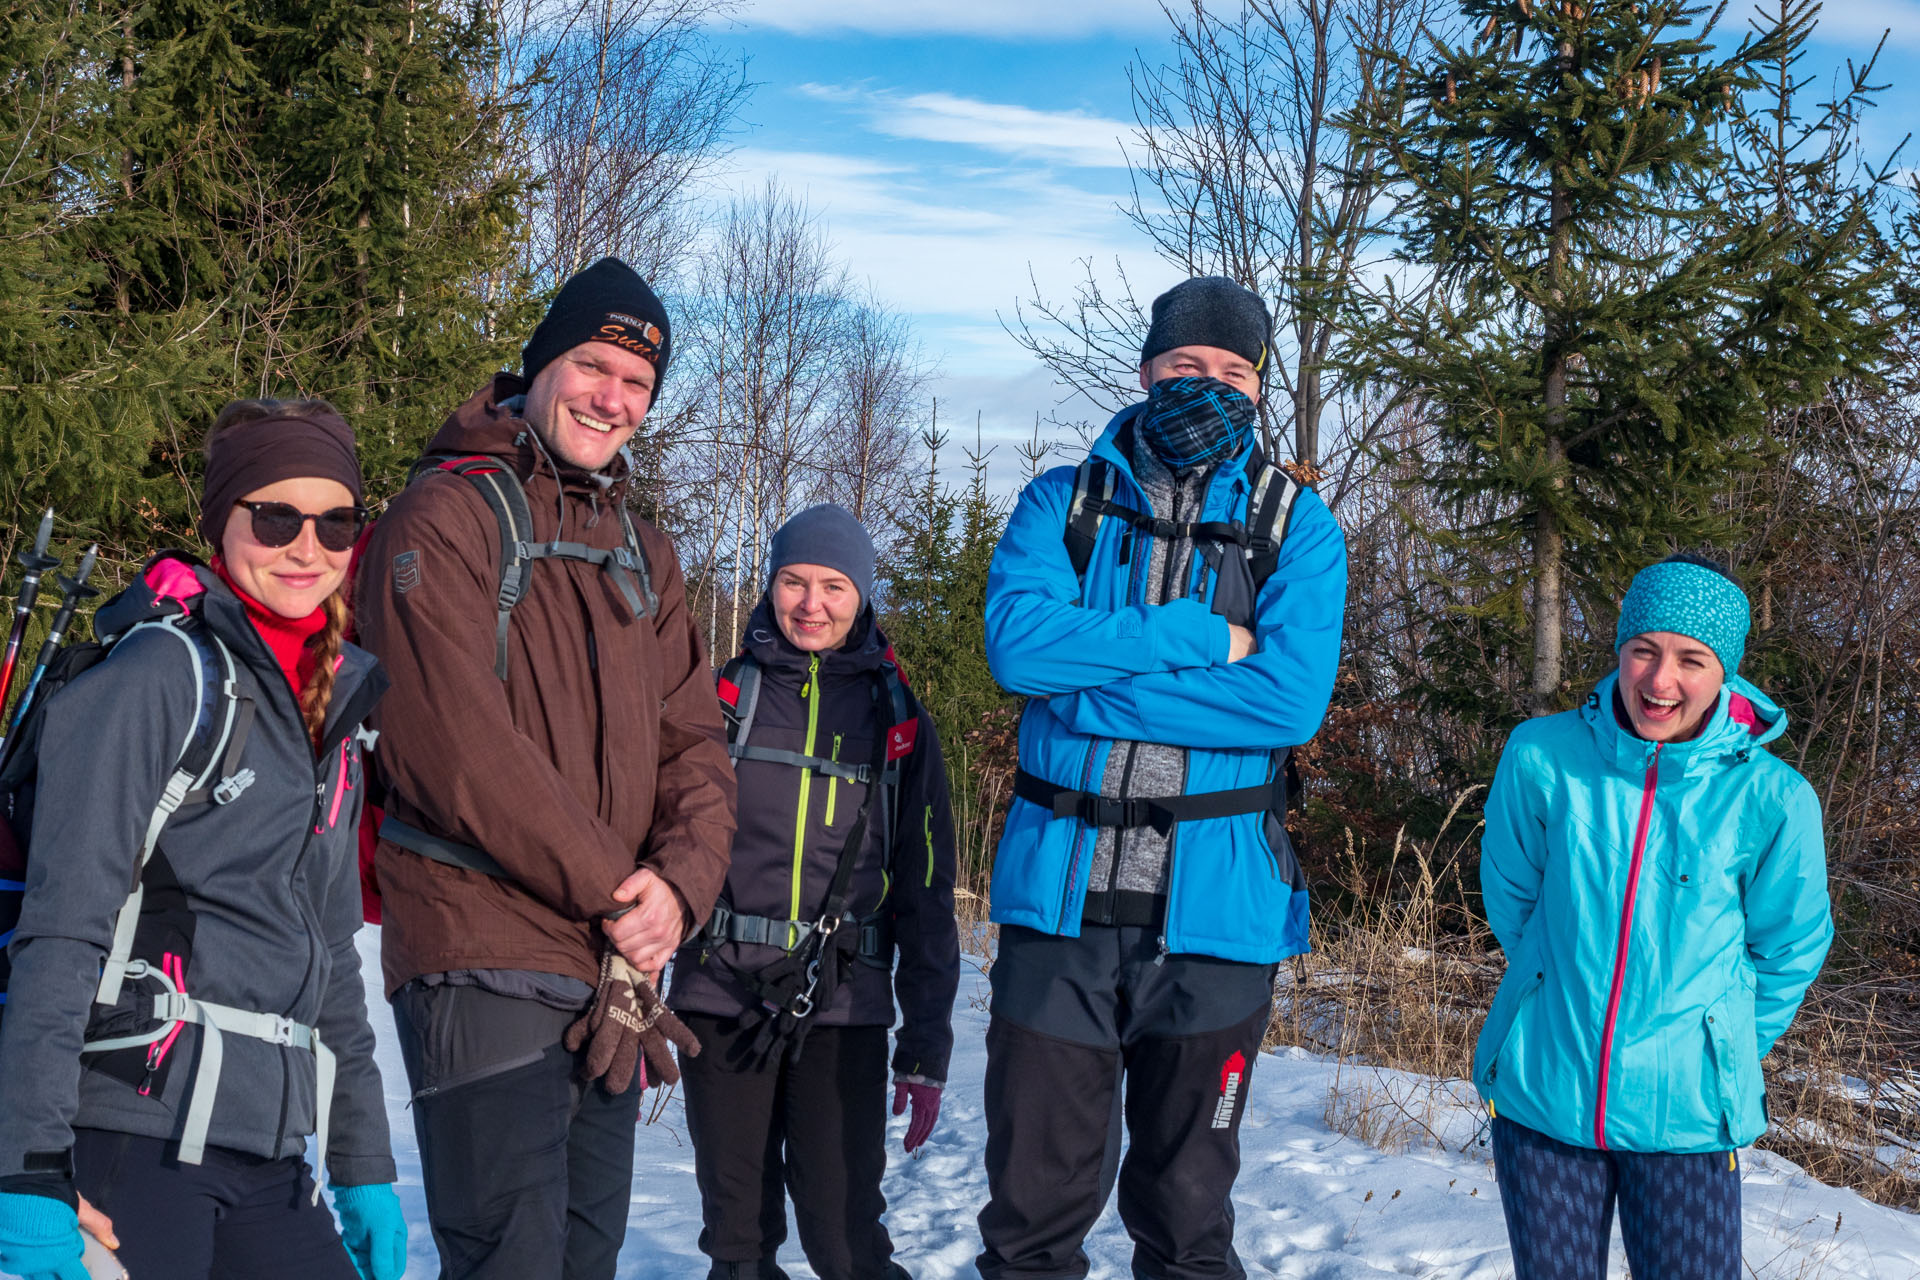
<point>813,1126</point>
<point>231,1217</point>
<point>528,1172</point>
<point>1088,1032</point>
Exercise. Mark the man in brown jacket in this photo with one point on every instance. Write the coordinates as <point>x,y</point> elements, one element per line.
<point>545,814</point>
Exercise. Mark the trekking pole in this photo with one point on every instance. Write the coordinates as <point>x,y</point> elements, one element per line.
<point>72,591</point>
<point>37,562</point>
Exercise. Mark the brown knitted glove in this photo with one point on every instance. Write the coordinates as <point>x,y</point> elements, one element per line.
<point>663,1034</point>
<point>627,1019</point>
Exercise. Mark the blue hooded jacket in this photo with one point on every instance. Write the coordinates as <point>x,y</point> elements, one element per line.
<point>1100,664</point>
<point>1663,908</point>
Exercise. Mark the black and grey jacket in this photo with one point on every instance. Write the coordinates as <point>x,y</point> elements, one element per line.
<point>793,824</point>
<point>252,904</point>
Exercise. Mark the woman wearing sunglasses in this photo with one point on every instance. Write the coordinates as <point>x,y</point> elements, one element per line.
<point>171,1116</point>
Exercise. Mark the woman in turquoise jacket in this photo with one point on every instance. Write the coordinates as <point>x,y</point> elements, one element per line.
<point>1657,879</point>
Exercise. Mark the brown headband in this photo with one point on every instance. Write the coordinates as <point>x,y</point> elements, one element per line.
<point>253,455</point>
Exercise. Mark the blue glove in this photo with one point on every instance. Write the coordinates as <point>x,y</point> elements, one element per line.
<point>373,1229</point>
<point>40,1238</point>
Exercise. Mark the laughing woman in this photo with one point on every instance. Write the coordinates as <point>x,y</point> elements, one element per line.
<point>1657,880</point>
<point>163,1057</point>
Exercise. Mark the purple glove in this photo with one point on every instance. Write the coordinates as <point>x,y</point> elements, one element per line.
<point>926,1110</point>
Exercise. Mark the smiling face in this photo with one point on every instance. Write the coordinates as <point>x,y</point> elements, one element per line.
<point>589,401</point>
<point>815,606</point>
<point>292,580</point>
<point>1203,362</point>
<point>1669,684</point>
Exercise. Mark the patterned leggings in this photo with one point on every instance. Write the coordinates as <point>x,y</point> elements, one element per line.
<point>1679,1214</point>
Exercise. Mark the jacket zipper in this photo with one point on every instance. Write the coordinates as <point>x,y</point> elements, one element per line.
<point>811,692</point>
<point>339,788</point>
<point>833,784</point>
<point>1620,952</point>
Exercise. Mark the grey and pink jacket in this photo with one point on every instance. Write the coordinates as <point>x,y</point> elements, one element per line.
<point>264,889</point>
<point>793,824</point>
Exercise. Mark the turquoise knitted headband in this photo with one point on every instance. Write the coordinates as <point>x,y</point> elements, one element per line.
<point>1690,600</point>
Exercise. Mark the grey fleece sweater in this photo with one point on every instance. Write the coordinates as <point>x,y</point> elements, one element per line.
<point>1150,768</point>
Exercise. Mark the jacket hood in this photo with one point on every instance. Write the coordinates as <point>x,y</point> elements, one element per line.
<point>172,583</point>
<point>490,423</point>
<point>1742,719</point>
<point>865,648</point>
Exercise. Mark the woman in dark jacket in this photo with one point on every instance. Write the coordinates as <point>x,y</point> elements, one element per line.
<point>163,1057</point>
<point>791,987</point>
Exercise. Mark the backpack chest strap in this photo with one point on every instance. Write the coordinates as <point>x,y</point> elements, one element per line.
<point>1207,530</point>
<point>819,764</point>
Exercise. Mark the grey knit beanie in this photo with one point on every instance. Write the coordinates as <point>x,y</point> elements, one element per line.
<point>1210,311</point>
<point>830,536</point>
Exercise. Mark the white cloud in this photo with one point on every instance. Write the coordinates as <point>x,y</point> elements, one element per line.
<point>1064,137</point>
<point>993,19</point>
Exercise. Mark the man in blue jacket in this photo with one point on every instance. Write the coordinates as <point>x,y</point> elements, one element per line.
<point>1173,608</point>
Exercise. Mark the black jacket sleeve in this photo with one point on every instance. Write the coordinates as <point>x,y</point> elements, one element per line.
<point>928,940</point>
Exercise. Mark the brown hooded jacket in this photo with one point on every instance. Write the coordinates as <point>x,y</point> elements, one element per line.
<point>601,751</point>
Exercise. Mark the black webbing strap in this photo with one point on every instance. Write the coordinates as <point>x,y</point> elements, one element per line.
<point>440,848</point>
<point>1158,812</point>
<point>1211,530</point>
<point>728,925</point>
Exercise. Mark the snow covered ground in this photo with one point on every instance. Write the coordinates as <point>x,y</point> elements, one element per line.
<point>1311,1204</point>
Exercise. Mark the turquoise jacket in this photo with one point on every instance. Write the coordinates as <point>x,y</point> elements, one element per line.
<point>1663,908</point>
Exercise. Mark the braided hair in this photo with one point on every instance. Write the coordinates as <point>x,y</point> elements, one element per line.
<point>318,693</point>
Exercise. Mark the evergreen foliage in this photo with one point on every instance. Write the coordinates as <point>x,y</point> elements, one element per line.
<point>936,594</point>
<point>1609,333</point>
<point>205,199</point>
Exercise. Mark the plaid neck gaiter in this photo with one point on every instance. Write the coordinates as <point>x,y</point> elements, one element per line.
<point>1191,422</point>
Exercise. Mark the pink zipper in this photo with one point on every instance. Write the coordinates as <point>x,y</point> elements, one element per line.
<point>339,791</point>
<point>1620,953</point>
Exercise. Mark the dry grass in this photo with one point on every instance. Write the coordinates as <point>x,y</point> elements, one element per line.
<point>1400,985</point>
<point>1844,1099</point>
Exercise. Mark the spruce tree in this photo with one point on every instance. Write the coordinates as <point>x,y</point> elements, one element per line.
<point>281,197</point>
<point>1605,344</point>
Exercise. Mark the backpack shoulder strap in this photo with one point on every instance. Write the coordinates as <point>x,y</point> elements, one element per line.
<point>1095,478</point>
<point>500,486</point>
<point>739,689</point>
<point>216,694</point>
<point>903,734</point>
<point>1269,513</point>
<point>639,567</point>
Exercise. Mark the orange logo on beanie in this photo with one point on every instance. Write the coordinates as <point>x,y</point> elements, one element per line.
<point>631,332</point>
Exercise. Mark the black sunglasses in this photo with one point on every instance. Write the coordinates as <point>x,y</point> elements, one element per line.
<point>275,524</point>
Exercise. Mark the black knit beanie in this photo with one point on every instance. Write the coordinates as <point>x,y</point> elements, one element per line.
<point>607,302</point>
<point>1210,311</point>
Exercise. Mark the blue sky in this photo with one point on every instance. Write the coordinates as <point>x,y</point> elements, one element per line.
<point>953,148</point>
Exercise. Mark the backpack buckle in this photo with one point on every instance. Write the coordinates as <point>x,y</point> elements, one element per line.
<point>229,788</point>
